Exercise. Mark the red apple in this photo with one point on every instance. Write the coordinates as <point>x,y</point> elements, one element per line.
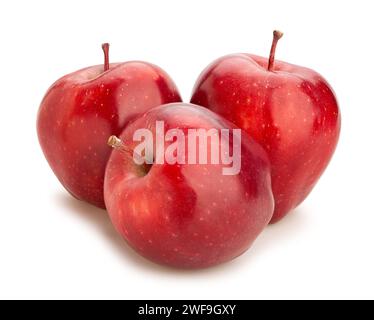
<point>290,110</point>
<point>187,215</point>
<point>82,109</point>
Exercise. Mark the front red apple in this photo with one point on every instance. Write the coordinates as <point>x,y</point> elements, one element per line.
<point>82,109</point>
<point>181,213</point>
<point>290,110</point>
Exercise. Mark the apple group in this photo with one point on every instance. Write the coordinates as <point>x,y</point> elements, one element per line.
<point>182,215</point>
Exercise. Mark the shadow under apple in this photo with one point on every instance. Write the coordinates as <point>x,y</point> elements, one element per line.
<point>101,221</point>
<point>289,226</point>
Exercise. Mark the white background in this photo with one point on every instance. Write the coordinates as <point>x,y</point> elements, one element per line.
<point>52,246</point>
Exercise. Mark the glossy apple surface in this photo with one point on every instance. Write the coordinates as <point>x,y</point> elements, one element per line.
<point>185,215</point>
<point>290,110</point>
<point>81,110</point>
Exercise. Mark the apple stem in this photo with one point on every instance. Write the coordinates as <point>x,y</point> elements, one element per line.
<point>276,36</point>
<point>117,144</point>
<point>105,47</point>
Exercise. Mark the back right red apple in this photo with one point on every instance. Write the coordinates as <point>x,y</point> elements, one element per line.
<point>291,110</point>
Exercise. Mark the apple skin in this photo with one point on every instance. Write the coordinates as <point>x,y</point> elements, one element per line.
<point>81,110</point>
<point>291,111</point>
<point>188,216</point>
